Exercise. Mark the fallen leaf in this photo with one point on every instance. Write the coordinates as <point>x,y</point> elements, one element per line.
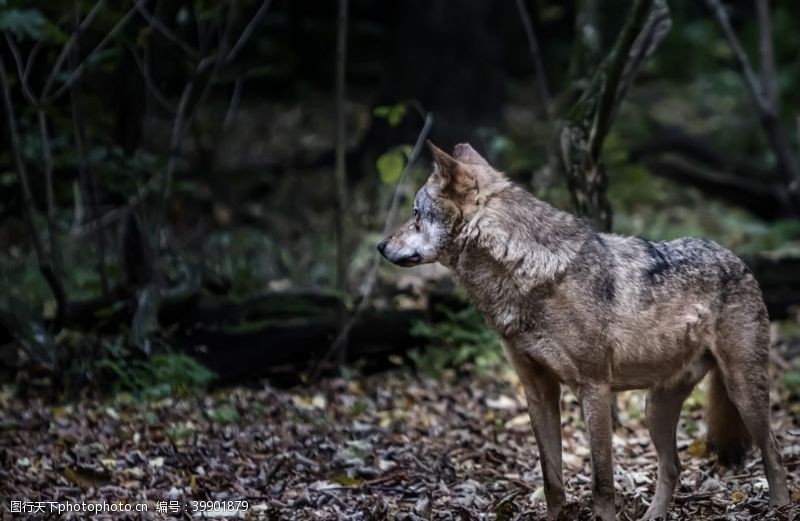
<point>738,495</point>
<point>697,449</point>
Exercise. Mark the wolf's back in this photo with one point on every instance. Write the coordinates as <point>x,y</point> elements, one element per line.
<point>672,267</point>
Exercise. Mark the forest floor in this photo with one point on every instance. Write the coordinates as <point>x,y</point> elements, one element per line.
<point>387,446</point>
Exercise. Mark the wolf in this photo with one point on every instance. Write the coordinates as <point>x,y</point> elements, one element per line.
<point>600,313</point>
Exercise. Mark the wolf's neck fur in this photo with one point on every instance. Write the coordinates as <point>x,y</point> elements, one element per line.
<point>512,250</point>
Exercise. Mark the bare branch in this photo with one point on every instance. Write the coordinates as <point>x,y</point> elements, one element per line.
<point>47,163</point>
<point>767,55</point>
<point>749,75</point>
<point>148,80</point>
<point>768,111</point>
<point>233,108</point>
<point>612,70</point>
<point>76,73</point>
<point>340,175</point>
<point>655,28</point>
<point>45,266</point>
<point>87,180</point>
<point>538,64</point>
<point>248,31</point>
<point>178,127</point>
<point>26,91</point>
<point>32,57</point>
<point>157,24</point>
<point>587,124</point>
<point>51,78</point>
<point>372,275</point>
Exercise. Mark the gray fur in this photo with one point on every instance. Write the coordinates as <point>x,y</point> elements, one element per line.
<point>600,313</point>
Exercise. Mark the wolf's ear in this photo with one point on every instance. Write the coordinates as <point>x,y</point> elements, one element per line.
<point>466,154</point>
<point>454,177</point>
<point>446,165</point>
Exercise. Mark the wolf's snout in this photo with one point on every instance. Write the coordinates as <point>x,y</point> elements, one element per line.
<point>382,246</point>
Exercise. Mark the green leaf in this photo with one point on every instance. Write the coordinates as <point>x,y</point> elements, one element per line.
<point>393,114</point>
<point>792,380</point>
<point>24,23</point>
<point>390,166</point>
<point>184,16</point>
<point>225,414</point>
<point>347,481</point>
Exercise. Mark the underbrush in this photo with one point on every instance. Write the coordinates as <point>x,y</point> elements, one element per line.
<point>461,340</point>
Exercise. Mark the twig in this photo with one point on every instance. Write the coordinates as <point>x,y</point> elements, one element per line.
<point>73,38</point>
<point>178,127</point>
<point>749,75</point>
<point>233,107</point>
<point>339,174</point>
<point>779,362</point>
<point>248,31</point>
<point>760,94</point>
<point>683,498</point>
<point>47,163</point>
<point>655,28</point>
<point>157,24</point>
<point>88,182</point>
<point>538,64</point>
<point>148,80</point>
<point>185,112</point>
<point>45,267</point>
<point>613,75</point>
<point>23,81</point>
<point>372,274</point>
<point>767,56</point>
<point>76,73</point>
<point>588,39</point>
<point>32,57</point>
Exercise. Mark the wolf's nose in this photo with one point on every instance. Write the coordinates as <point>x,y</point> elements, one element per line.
<point>382,246</point>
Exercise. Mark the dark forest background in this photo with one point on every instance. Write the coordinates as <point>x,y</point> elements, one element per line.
<point>186,181</point>
<point>192,306</point>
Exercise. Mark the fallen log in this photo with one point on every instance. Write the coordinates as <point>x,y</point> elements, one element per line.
<point>779,278</point>
<point>279,335</point>
<point>674,154</point>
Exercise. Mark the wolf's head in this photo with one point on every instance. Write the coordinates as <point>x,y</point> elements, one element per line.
<point>455,190</point>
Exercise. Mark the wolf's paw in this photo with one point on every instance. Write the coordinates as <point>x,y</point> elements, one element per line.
<point>655,513</point>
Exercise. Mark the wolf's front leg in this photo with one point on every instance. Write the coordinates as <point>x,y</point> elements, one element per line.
<point>544,395</point>
<point>596,403</point>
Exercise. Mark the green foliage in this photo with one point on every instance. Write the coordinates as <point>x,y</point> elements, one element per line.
<point>390,164</point>
<point>393,114</point>
<point>24,23</point>
<point>251,260</point>
<point>791,379</point>
<point>463,338</point>
<point>161,376</point>
<point>224,414</point>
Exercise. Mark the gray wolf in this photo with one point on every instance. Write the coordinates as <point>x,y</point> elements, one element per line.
<point>600,313</point>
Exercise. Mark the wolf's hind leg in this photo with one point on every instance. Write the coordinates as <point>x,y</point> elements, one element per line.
<point>662,411</point>
<point>742,360</point>
<point>749,392</point>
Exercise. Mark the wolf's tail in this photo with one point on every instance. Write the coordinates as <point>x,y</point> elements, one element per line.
<point>727,433</point>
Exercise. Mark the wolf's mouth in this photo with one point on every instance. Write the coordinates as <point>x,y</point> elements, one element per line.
<point>411,260</point>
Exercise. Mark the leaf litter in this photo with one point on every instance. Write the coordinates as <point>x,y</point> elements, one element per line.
<point>387,446</point>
